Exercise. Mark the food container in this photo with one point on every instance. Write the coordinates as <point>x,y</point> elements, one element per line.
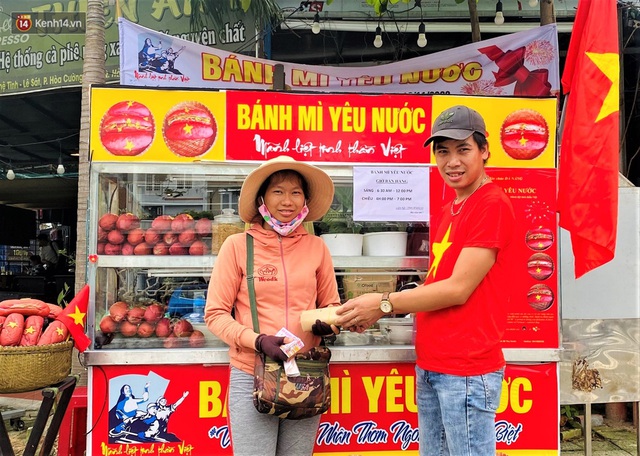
<point>343,244</point>
<point>356,285</point>
<point>223,226</point>
<point>385,243</point>
<point>399,330</point>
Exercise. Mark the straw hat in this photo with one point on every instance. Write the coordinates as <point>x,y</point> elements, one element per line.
<point>320,185</point>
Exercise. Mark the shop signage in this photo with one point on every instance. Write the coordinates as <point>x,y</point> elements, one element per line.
<point>173,409</point>
<point>521,64</point>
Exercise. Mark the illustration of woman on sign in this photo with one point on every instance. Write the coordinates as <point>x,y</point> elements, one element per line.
<point>126,410</point>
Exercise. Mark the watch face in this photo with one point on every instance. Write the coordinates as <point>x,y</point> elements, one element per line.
<point>386,307</point>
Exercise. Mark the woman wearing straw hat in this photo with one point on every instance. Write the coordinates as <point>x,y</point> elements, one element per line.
<point>293,273</point>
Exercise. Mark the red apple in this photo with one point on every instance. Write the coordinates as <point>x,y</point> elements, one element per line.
<point>203,226</point>
<point>127,222</point>
<point>135,236</point>
<point>162,223</point>
<point>127,249</point>
<point>187,237</point>
<point>163,327</point>
<point>135,314</point>
<point>152,236</point>
<point>102,234</point>
<point>112,249</point>
<point>108,325</point>
<point>108,221</point>
<point>196,339</point>
<point>178,249</point>
<point>182,222</point>
<point>182,328</point>
<point>198,248</point>
<point>154,312</point>
<point>115,237</point>
<point>146,329</point>
<point>161,249</point>
<point>118,311</point>
<point>143,249</point>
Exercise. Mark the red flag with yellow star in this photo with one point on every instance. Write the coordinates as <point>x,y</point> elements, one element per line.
<point>74,317</point>
<point>588,169</point>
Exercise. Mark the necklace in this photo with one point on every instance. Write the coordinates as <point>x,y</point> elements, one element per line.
<point>454,213</point>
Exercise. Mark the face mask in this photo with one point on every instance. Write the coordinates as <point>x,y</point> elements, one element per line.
<point>283,229</point>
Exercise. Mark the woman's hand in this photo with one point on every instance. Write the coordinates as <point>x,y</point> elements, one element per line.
<point>270,346</point>
<point>359,313</point>
<point>320,328</point>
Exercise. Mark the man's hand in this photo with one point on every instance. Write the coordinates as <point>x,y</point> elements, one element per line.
<point>359,313</point>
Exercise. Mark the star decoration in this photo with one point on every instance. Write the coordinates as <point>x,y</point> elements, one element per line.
<point>609,64</point>
<point>77,316</point>
<point>438,251</point>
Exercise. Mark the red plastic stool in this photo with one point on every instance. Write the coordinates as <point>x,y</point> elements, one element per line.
<point>72,439</point>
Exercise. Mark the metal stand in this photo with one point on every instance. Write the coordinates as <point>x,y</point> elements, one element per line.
<point>60,393</point>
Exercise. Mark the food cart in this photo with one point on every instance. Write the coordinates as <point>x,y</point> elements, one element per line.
<point>178,158</point>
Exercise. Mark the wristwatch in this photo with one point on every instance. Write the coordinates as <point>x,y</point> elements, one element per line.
<point>385,305</point>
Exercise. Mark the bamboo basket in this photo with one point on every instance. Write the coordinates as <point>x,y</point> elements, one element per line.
<point>35,367</point>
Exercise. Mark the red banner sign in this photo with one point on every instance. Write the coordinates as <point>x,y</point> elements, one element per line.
<point>174,409</point>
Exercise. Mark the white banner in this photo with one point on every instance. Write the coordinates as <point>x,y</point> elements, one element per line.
<point>521,64</point>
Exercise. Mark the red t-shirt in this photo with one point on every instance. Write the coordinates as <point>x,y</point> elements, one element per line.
<point>465,340</point>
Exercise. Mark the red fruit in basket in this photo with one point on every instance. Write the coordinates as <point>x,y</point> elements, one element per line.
<point>108,221</point>
<point>12,330</point>
<point>127,249</point>
<point>127,222</point>
<point>182,328</point>
<point>135,314</point>
<point>100,248</point>
<point>198,248</point>
<point>152,236</point>
<point>161,249</point>
<point>196,339</point>
<point>162,223</point>
<point>163,327</point>
<point>118,311</point>
<point>54,333</point>
<point>187,237</point>
<point>128,329</point>
<point>112,249</point>
<point>143,249</point>
<point>154,312</point>
<point>108,325</point>
<point>178,249</point>
<point>182,222</point>
<point>146,329</point>
<point>135,236</point>
<point>203,227</point>
<point>102,235</point>
<point>170,238</point>
<point>115,237</point>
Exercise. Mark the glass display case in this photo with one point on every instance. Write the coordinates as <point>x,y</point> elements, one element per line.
<point>154,238</point>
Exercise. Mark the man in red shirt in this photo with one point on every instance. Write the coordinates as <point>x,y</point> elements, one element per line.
<point>461,309</point>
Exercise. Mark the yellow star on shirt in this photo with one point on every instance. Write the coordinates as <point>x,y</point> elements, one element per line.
<point>438,250</point>
<point>609,64</point>
<point>77,316</point>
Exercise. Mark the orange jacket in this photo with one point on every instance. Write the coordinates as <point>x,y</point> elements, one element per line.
<point>292,274</point>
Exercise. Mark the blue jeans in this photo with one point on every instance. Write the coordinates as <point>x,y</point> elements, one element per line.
<point>456,415</point>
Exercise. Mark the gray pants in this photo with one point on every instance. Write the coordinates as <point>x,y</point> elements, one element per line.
<point>258,434</point>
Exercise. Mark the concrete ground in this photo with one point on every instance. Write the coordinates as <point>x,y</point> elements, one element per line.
<point>609,439</point>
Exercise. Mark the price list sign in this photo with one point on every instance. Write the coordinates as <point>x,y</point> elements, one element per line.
<point>381,194</point>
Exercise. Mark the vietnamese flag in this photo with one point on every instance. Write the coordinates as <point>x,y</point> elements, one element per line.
<point>588,168</point>
<point>74,317</point>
